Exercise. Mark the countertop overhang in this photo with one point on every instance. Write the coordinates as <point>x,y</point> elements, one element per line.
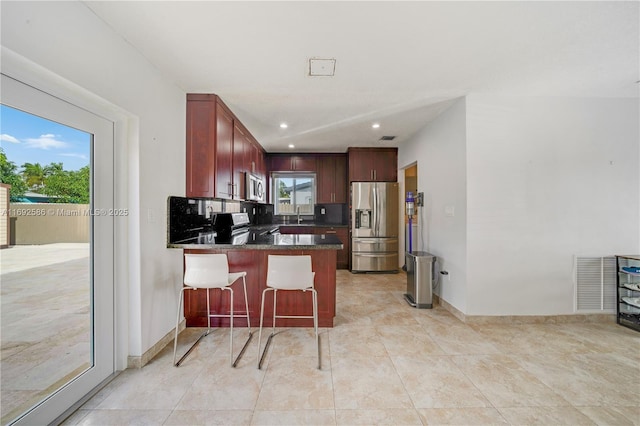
<point>274,242</point>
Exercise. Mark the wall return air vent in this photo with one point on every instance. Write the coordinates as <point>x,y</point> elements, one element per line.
<point>595,284</point>
<point>387,138</point>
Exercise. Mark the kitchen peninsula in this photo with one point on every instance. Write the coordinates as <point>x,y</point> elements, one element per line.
<point>251,256</point>
<point>229,173</point>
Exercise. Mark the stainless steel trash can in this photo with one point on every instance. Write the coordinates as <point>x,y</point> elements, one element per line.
<point>419,278</point>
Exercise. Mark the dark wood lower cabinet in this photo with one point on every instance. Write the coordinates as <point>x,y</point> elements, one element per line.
<point>342,256</point>
<point>254,262</point>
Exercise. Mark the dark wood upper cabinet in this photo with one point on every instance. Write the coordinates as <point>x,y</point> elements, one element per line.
<point>224,153</point>
<point>292,163</point>
<point>303,163</point>
<point>220,150</point>
<point>201,146</point>
<point>373,164</point>
<point>332,178</point>
<point>261,164</point>
<point>241,160</point>
<point>279,163</point>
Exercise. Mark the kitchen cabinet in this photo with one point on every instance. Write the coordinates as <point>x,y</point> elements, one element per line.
<point>241,160</point>
<point>258,166</point>
<point>220,150</point>
<point>292,163</point>
<point>373,164</point>
<point>342,232</point>
<point>257,163</point>
<point>332,178</point>
<point>342,256</point>
<point>224,153</point>
<point>261,164</point>
<point>254,263</point>
<point>201,145</point>
<point>628,291</point>
<point>293,229</point>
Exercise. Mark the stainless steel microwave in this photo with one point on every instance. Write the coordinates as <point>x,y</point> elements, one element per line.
<point>255,188</point>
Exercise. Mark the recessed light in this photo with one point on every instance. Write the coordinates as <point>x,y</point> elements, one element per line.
<point>283,125</point>
<point>291,145</point>
<point>376,125</point>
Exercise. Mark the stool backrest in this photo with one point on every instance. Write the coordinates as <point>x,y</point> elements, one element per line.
<point>289,272</point>
<point>206,270</point>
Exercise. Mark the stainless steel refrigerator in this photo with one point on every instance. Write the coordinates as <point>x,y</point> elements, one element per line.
<point>374,226</point>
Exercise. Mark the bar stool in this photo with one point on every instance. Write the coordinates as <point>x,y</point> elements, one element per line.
<point>211,271</point>
<point>288,273</point>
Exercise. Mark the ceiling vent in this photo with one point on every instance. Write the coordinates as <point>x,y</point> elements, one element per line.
<point>322,67</point>
<point>387,138</point>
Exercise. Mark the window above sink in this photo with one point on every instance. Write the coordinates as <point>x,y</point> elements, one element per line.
<point>293,193</point>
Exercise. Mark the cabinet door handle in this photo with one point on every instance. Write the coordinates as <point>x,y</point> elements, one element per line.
<point>375,174</point>
<point>330,232</point>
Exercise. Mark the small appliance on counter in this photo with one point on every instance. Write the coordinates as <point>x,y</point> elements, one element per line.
<point>231,228</point>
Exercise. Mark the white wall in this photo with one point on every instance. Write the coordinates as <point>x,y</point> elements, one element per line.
<point>533,182</point>
<point>547,178</point>
<point>67,39</point>
<point>440,151</point>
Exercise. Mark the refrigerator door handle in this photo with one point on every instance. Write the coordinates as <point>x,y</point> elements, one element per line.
<point>376,208</point>
<point>379,208</point>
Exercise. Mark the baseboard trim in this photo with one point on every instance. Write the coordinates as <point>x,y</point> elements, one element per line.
<point>141,361</point>
<point>437,300</point>
<point>605,317</point>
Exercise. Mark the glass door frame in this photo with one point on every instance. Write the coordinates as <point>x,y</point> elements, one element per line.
<point>34,101</point>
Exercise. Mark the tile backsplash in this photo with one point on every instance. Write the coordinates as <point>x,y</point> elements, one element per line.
<point>333,214</point>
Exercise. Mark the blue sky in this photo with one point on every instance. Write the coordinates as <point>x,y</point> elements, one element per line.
<point>26,138</point>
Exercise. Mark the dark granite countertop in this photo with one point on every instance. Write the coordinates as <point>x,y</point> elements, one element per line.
<point>256,241</point>
<point>271,226</point>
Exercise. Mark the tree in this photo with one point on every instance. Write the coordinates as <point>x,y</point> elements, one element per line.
<point>68,186</point>
<point>283,190</point>
<point>9,176</point>
<point>33,175</point>
<point>52,169</point>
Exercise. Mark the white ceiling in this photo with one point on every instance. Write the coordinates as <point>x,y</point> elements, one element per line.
<point>397,63</point>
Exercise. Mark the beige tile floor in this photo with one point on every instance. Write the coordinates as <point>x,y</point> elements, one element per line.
<point>386,363</point>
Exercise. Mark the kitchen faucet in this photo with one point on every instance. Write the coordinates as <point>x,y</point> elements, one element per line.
<point>298,211</point>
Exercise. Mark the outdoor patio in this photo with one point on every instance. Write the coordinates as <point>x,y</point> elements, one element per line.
<point>45,317</point>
